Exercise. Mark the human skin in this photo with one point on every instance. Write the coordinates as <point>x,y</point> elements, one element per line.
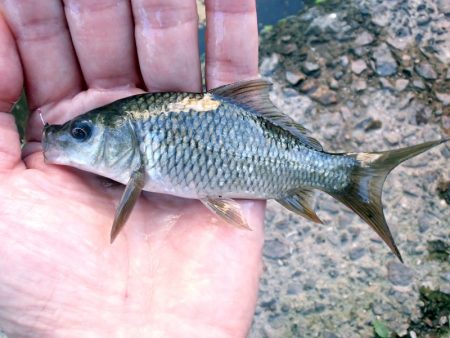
<point>175,270</point>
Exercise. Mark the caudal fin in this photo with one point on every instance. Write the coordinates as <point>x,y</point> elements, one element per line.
<point>363,195</point>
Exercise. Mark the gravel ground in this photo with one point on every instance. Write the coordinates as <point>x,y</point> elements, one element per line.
<point>363,76</point>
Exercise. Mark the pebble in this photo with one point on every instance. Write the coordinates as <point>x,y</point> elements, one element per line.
<point>364,38</point>
<point>443,6</point>
<point>288,48</point>
<point>294,77</point>
<point>401,84</point>
<point>358,66</point>
<point>333,84</point>
<point>381,16</point>
<point>359,85</point>
<point>308,86</point>
<point>385,83</point>
<point>324,96</point>
<point>269,64</point>
<point>444,98</point>
<point>418,84</point>
<point>357,253</point>
<point>310,67</point>
<point>392,138</point>
<point>344,61</point>
<point>275,249</point>
<point>399,274</point>
<point>425,70</point>
<point>329,334</point>
<point>384,61</point>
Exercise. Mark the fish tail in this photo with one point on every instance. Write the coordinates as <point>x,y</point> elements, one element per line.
<point>363,195</point>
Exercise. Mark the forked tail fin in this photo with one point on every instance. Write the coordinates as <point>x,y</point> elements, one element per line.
<point>363,195</point>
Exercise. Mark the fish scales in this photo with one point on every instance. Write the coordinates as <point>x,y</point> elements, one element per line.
<point>231,142</point>
<point>226,152</point>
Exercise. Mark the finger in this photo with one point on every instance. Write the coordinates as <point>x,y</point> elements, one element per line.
<point>231,41</point>
<point>48,58</point>
<point>167,44</point>
<point>11,82</point>
<point>102,34</point>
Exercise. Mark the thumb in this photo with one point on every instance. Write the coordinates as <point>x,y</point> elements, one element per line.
<point>11,82</point>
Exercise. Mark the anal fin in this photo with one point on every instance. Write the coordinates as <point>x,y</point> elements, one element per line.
<point>300,202</point>
<point>227,209</point>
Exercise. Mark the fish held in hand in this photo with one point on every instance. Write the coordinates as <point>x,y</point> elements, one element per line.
<point>225,144</point>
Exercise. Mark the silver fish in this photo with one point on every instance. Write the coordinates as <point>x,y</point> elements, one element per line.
<point>225,144</point>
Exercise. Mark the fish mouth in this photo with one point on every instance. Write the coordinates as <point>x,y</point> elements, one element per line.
<point>48,135</point>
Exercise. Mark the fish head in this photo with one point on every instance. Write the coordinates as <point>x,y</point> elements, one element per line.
<point>100,141</point>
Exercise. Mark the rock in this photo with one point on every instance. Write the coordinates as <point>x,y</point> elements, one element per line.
<point>443,6</point>
<point>275,249</point>
<point>290,92</point>
<point>418,84</point>
<point>392,138</point>
<point>310,67</point>
<point>269,64</point>
<point>386,84</point>
<point>447,76</point>
<point>358,66</point>
<point>329,334</point>
<point>399,274</point>
<point>400,43</point>
<point>333,84</point>
<point>324,96</point>
<point>357,253</point>
<point>380,17</point>
<point>294,289</point>
<point>423,19</point>
<point>294,77</point>
<point>384,61</point>
<point>343,60</point>
<point>359,85</point>
<point>444,98</point>
<point>309,86</point>
<point>364,38</point>
<point>287,49</point>
<point>401,84</point>
<point>338,75</point>
<point>425,70</point>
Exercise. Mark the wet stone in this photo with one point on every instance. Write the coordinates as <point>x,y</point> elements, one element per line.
<point>399,274</point>
<point>364,38</point>
<point>294,77</point>
<point>426,71</point>
<point>324,96</point>
<point>310,67</point>
<point>401,84</point>
<point>357,253</point>
<point>386,84</point>
<point>308,86</point>
<point>358,66</point>
<point>385,64</point>
<point>359,85</point>
<point>269,64</point>
<point>444,6</point>
<point>329,334</point>
<point>275,249</point>
<point>418,84</point>
<point>444,98</point>
<point>392,138</point>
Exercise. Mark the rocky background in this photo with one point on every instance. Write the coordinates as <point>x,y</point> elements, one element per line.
<point>363,75</point>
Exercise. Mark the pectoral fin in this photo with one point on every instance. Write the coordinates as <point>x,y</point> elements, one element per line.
<point>300,203</point>
<point>127,202</point>
<point>228,209</point>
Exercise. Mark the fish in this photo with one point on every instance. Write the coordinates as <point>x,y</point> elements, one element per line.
<point>225,144</point>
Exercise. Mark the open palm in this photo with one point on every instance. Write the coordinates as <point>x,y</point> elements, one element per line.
<point>175,270</point>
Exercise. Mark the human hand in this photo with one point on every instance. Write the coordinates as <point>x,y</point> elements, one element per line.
<point>175,270</point>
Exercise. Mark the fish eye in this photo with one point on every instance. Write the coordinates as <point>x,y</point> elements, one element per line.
<point>81,131</point>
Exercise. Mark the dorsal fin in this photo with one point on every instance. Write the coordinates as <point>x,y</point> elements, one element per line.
<point>254,94</point>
